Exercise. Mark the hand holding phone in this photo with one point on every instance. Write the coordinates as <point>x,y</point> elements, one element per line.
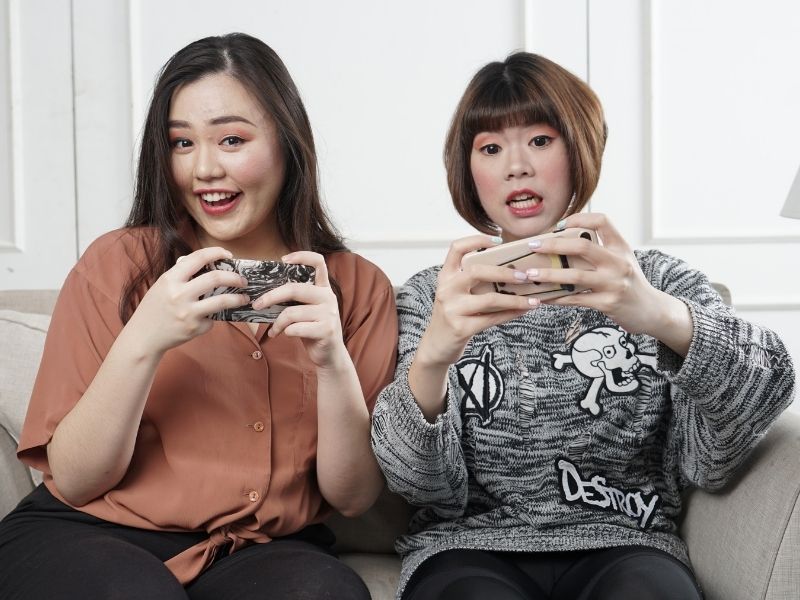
<point>262,276</point>
<point>518,256</point>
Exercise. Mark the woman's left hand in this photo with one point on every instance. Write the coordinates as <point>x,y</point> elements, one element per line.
<point>618,287</point>
<point>316,319</point>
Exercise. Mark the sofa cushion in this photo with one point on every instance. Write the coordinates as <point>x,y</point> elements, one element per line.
<point>21,343</point>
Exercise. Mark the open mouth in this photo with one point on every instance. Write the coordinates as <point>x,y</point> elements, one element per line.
<point>219,199</point>
<point>621,378</point>
<point>525,200</point>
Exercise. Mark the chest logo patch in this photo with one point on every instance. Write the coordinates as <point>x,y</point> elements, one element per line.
<point>482,384</point>
<point>607,357</point>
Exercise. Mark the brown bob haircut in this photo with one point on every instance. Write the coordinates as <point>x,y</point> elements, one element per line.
<point>525,89</point>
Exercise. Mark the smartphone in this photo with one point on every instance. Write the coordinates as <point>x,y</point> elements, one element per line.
<point>517,255</point>
<point>262,276</point>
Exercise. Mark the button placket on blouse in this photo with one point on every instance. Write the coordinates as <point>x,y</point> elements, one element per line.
<point>258,426</point>
<point>252,495</point>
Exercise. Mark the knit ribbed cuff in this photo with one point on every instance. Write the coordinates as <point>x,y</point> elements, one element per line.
<point>408,416</point>
<point>705,369</point>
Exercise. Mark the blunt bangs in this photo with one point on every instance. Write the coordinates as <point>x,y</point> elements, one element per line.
<point>505,104</point>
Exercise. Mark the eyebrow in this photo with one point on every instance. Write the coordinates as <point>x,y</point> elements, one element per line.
<point>224,120</point>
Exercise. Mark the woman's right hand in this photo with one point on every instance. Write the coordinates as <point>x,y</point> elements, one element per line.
<point>457,315</point>
<point>172,312</point>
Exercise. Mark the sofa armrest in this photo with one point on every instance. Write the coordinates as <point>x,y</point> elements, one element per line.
<point>744,541</point>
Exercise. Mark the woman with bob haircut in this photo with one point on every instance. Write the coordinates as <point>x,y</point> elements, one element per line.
<point>190,457</point>
<point>547,442</point>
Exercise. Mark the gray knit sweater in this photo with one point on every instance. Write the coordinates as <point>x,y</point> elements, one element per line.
<point>563,432</point>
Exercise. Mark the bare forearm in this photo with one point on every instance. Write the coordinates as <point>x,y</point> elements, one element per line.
<point>348,474</point>
<point>92,446</point>
<point>673,326</point>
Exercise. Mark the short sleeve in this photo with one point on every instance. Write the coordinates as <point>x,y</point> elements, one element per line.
<point>83,327</point>
<point>369,323</point>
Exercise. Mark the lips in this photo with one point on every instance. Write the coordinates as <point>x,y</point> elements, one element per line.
<point>524,203</point>
<point>218,202</point>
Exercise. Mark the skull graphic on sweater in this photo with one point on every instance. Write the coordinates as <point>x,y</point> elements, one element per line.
<point>608,357</point>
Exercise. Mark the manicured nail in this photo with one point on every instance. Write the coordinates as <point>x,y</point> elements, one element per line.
<point>497,239</point>
<point>521,275</point>
<point>534,244</point>
<point>561,224</point>
<point>531,273</point>
<point>244,281</point>
<point>533,302</point>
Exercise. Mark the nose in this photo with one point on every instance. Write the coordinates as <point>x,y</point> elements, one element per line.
<point>206,165</point>
<point>519,163</point>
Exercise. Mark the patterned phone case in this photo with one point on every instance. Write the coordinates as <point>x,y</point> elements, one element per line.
<point>262,276</point>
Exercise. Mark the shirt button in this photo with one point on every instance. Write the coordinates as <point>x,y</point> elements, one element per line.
<point>257,354</point>
<point>253,496</point>
<point>258,426</point>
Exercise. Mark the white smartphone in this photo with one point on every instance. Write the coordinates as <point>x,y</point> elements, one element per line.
<point>517,255</point>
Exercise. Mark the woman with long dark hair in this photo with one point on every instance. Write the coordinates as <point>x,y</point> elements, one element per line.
<point>186,457</point>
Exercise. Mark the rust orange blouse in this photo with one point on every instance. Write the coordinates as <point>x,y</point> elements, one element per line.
<point>228,438</point>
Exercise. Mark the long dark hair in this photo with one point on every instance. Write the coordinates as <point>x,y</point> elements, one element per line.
<point>525,89</point>
<point>302,220</point>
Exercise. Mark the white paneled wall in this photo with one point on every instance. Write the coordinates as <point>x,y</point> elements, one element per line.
<point>700,97</point>
<point>37,147</point>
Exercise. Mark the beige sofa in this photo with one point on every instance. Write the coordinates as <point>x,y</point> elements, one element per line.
<point>744,541</point>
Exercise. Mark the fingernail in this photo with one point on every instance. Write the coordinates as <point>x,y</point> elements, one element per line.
<point>244,281</point>
<point>533,302</point>
<point>179,259</point>
<point>520,275</point>
<point>561,224</point>
<point>534,244</point>
<point>497,239</point>
<point>228,253</point>
<point>531,273</point>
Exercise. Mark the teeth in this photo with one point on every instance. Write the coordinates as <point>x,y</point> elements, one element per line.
<point>525,201</point>
<point>217,196</point>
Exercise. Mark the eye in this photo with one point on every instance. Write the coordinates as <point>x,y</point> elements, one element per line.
<point>540,141</point>
<point>180,143</point>
<point>232,140</point>
<point>623,342</point>
<point>609,351</point>
<point>490,149</point>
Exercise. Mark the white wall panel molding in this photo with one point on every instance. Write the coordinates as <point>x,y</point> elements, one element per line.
<point>669,105</point>
<point>722,120</point>
<point>38,73</point>
<point>7,223</point>
<point>103,108</point>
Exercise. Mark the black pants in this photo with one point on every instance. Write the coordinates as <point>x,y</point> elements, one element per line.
<point>624,573</point>
<point>49,550</point>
